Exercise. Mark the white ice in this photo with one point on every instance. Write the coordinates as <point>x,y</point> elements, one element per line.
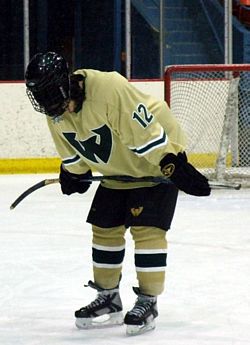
<point>45,259</point>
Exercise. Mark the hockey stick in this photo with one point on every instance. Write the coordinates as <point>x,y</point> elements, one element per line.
<point>121,178</point>
<point>32,189</point>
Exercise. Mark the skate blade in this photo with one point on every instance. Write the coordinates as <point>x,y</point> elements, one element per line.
<point>103,321</point>
<point>140,329</point>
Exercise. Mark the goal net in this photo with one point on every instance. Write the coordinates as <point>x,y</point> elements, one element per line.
<point>212,103</point>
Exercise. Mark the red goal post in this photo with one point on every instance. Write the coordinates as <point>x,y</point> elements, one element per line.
<point>212,104</point>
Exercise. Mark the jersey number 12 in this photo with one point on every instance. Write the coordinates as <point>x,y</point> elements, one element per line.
<point>142,115</point>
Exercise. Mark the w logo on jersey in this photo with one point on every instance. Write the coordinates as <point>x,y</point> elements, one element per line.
<point>97,147</point>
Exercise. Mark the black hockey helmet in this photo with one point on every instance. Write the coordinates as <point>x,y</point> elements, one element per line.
<point>47,83</point>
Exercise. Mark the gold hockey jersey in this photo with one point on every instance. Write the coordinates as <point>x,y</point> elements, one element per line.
<point>118,131</point>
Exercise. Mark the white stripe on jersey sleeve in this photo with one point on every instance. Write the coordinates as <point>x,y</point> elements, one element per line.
<point>71,160</point>
<point>157,142</point>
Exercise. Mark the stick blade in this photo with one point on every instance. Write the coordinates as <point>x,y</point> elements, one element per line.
<point>31,190</point>
<point>224,185</point>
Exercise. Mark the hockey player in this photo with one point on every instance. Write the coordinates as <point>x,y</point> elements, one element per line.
<point>100,122</point>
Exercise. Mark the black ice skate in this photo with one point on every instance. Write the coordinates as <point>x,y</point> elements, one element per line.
<point>140,319</point>
<point>104,311</point>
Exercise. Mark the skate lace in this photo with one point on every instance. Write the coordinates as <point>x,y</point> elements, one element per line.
<point>100,299</point>
<point>141,307</point>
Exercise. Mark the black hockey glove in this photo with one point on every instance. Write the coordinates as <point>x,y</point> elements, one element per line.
<point>184,175</point>
<point>71,183</point>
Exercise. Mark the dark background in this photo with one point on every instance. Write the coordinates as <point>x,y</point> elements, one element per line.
<point>89,34</point>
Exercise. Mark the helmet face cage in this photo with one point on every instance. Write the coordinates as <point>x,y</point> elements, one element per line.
<point>47,82</point>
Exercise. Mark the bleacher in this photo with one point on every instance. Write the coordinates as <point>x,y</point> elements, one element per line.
<point>244,12</point>
<point>241,10</point>
<point>185,42</point>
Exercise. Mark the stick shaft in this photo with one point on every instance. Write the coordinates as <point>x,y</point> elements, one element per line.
<point>159,179</point>
<point>121,178</point>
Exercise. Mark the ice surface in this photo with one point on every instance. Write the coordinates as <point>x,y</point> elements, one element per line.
<point>45,258</point>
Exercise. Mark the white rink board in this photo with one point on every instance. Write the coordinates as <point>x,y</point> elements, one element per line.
<point>24,133</point>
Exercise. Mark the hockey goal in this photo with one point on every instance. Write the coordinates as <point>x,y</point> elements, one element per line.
<point>212,103</point>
